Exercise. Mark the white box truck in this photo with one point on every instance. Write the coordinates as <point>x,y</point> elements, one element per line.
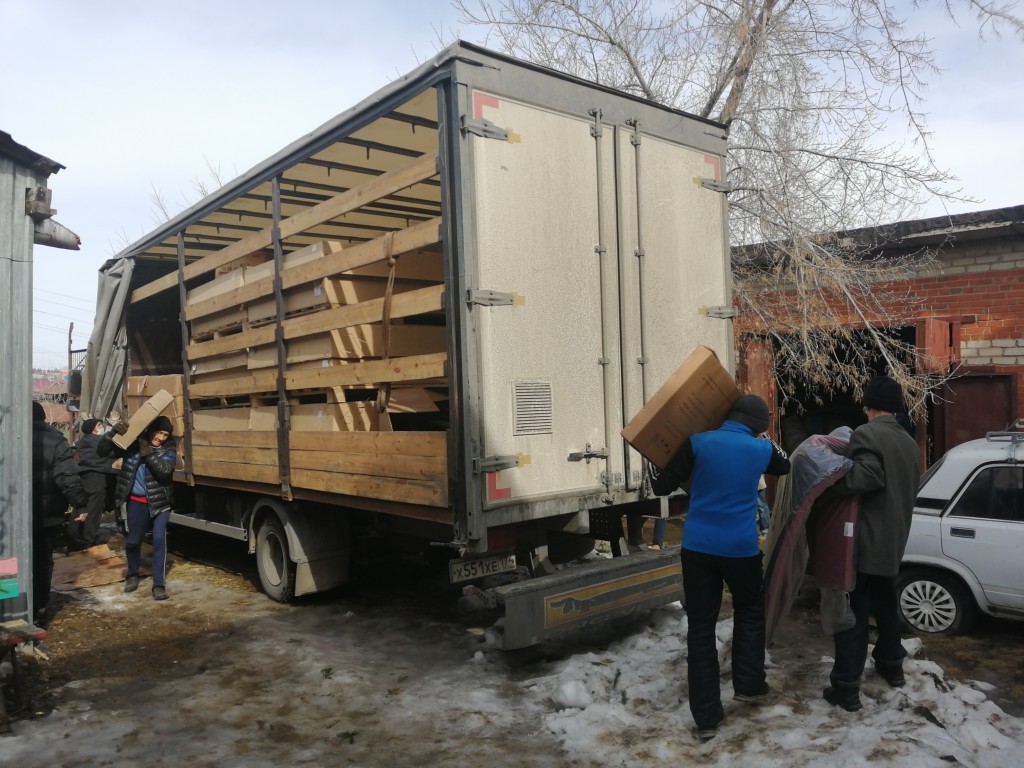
<point>431,317</point>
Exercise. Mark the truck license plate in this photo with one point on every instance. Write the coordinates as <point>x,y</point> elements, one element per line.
<point>477,568</point>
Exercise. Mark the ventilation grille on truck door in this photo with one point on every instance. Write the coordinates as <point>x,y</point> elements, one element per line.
<point>532,408</point>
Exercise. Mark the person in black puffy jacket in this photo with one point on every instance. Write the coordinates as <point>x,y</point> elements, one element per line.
<point>84,525</point>
<point>55,486</point>
<point>145,485</point>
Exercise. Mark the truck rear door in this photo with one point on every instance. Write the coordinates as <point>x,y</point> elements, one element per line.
<point>594,281</point>
<point>542,392</point>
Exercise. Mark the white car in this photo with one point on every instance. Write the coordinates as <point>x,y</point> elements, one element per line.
<point>966,547</point>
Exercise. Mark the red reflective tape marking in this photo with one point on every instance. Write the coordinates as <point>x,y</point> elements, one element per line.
<point>716,163</point>
<point>481,100</point>
<point>493,491</point>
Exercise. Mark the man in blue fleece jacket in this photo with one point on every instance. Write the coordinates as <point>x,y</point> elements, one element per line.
<point>720,548</point>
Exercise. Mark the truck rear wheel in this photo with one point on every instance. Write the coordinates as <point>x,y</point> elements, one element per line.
<point>273,560</point>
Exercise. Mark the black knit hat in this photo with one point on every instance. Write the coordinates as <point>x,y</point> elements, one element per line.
<point>160,424</point>
<point>89,425</point>
<point>883,394</point>
<point>38,412</point>
<point>751,411</point>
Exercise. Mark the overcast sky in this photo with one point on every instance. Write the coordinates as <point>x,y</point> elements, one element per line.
<point>137,97</point>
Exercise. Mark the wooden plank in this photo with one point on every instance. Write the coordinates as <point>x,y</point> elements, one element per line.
<point>235,439</point>
<point>405,240</point>
<point>353,343</point>
<point>248,472</point>
<point>432,468</point>
<point>368,373</point>
<point>399,443</point>
<point>428,444</point>
<point>261,456</point>
<point>390,489</point>
<point>402,305</point>
<point>374,189</point>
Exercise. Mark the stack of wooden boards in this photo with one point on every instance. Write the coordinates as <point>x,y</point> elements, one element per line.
<point>363,341</point>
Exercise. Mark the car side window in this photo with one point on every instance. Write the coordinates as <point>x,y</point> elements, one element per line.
<point>995,493</point>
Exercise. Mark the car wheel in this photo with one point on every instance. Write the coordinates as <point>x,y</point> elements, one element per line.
<point>273,561</point>
<point>934,603</point>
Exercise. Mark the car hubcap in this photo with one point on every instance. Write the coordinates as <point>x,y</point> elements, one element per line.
<point>928,606</point>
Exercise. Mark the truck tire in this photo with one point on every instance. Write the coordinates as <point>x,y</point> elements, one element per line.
<point>933,602</point>
<point>566,547</point>
<point>273,560</point>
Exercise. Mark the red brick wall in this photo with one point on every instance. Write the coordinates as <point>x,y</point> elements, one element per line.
<point>985,281</point>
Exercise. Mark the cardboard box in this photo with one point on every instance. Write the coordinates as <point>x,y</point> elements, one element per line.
<point>296,299</point>
<point>175,411</point>
<point>322,417</point>
<point>355,342</point>
<point>694,399</point>
<point>304,298</point>
<point>148,386</point>
<point>229,281</point>
<point>221,420</point>
<point>143,416</point>
<point>218,364</point>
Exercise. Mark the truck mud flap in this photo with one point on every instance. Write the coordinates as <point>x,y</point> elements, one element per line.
<point>582,595</point>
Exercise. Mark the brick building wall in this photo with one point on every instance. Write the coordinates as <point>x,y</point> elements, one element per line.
<point>978,281</point>
<point>983,282</point>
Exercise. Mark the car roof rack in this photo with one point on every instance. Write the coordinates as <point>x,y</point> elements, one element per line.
<point>1014,438</point>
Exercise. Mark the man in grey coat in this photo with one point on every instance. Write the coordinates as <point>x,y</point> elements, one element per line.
<point>885,474</point>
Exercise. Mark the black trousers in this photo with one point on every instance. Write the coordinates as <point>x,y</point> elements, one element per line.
<point>42,565</point>
<point>703,578</point>
<point>85,534</point>
<point>872,595</point>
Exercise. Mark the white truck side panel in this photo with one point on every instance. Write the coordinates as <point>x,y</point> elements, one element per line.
<point>551,343</point>
<point>680,227</point>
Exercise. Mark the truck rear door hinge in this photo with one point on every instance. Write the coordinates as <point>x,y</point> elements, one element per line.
<point>494,464</point>
<point>589,453</point>
<point>489,298</point>
<point>484,128</point>
<point>715,185</point>
<point>635,138</point>
<point>721,312</point>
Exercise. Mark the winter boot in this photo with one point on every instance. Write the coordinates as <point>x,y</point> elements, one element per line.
<point>845,695</point>
<point>756,696</point>
<point>892,671</point>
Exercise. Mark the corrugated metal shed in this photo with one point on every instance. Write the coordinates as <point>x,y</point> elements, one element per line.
<point>21,169</point>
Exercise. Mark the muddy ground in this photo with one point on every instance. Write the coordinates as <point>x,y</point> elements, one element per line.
<point>149,641</point>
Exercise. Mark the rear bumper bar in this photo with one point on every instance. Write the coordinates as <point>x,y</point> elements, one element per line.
<point>583,595</point>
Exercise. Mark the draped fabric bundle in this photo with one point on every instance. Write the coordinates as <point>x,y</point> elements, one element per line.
<point>810,525</point>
